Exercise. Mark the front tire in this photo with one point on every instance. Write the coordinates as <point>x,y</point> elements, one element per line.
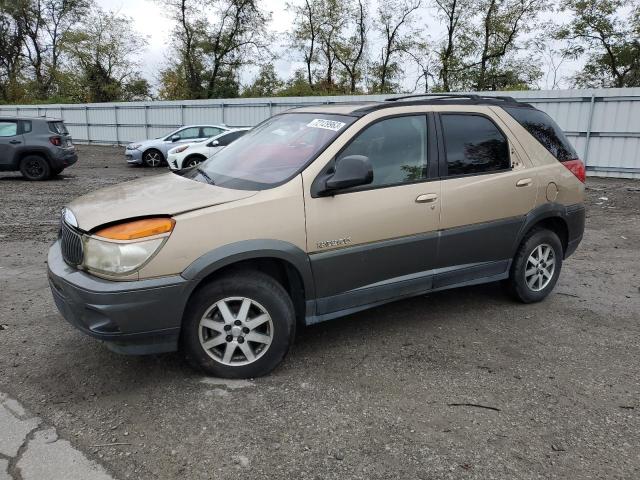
<point>536,266</point>
<point>152,158</point>
<point>192,161</point>
<point>238,326</point>
<point>35,167</point>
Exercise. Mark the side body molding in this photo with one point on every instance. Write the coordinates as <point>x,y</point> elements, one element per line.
<point>252,249</point>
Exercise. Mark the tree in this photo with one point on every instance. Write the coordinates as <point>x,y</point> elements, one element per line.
<point>395,22</point>
<point>102,51</point>
<point>608,33</point>
<point>350,49</point>
<point>266,84</point>
<point>11,40</point>
<point>305,35</point>
<point>502,21</point>
<point>44,23</point>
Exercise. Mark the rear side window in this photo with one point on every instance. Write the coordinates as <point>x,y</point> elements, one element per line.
<point>473,145</point>
<point>8,128</point>
<point>58,127</point>
<point>211,131</point>
<point>546,131</point>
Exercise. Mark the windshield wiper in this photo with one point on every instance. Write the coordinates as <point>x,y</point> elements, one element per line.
<point>204,174</point>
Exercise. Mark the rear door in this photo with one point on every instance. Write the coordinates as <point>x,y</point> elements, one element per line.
<point>379,241</point>
<point>10,141</point>
<point>487,189</point>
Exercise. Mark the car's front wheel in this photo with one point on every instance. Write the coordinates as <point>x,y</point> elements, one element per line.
<point>536,266</point>
<point>238,326</point>
<point>192,161</point>
<point>152,158</point>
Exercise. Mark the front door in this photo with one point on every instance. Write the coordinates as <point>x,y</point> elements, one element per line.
<point>487,189</point>
<point>372,243</point>
<point>10,140</point>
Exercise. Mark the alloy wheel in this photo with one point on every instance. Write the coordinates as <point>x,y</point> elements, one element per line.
<point>153,159</point>
<point>540,267</point>
<point>236,331</point>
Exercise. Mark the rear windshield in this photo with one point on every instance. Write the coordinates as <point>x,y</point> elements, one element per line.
<point>273,152</point>
<point>546,131</point>
<point>58,127</point>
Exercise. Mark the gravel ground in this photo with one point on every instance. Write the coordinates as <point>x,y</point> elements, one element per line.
<point>386,393</point>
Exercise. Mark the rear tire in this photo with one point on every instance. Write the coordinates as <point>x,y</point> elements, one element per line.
<point>536,266</point>
<point>35,168</point>
<point>238,326</point>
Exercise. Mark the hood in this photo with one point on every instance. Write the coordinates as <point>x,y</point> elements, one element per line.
<point>164,194</point>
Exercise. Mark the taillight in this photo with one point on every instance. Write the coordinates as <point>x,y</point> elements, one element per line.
<point>577,168</point>
<point>57,141</point>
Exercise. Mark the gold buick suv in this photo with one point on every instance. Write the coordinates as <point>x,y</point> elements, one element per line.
<point>317,213</point>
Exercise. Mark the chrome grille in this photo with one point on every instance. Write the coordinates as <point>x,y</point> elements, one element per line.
<point>71,244</point>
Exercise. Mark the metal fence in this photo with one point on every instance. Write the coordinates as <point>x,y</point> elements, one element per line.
<point>603,124</point>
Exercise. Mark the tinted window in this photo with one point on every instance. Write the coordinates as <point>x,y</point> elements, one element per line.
<point>474,145</point>
<point>210,132</point>
<point>8,129</point>
<point>546,131</point>
<point>225,140</point>
<point>58,127</point>
<point>396,148</point>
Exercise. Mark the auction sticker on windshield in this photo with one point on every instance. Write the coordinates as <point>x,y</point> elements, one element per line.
<point>326,124</point>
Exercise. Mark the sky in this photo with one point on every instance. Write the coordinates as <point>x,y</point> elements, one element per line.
<point>150,21</point>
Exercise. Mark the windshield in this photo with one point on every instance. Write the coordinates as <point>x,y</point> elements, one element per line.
<point>273,152</point>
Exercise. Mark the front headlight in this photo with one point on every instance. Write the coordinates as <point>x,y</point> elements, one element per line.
<point>134,146</point>
<point>179,149</point>
<point>125,247</point>
<point>118,258</point>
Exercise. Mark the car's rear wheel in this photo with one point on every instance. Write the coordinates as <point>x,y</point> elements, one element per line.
<point>152,158</point>
<point>536,266</point>
<point>35,167</point>
<point>238,326</point>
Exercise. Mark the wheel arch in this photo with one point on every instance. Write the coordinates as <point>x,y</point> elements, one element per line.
<point>155,149</point>
<point>551,216</point>
<point>283,261</point>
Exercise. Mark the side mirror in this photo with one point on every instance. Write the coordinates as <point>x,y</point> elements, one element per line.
<point>175,138</point>
<point>214,143</point>
<point>350,171</point>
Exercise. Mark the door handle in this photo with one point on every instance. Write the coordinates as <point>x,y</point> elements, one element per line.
<point>524,182</point>
<point>14,142</point>
<point>426,198</point>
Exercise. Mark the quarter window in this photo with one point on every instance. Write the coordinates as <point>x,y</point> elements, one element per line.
<point>474,145</point>
<point>8,129</point>
<point>396,148</point>
<point>546,131</point>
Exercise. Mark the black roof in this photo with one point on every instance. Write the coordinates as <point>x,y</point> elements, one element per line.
<point>443,99</point>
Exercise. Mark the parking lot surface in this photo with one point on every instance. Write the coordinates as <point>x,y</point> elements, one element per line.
<point>459,384</point>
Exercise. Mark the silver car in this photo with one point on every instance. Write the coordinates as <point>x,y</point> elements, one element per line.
<point>153,153</point>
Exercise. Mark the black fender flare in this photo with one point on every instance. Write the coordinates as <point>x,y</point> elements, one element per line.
<point>542,212</point>
<point>236,252</point>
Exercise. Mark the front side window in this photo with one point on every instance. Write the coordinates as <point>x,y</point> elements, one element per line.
<point>396,148</point>
<point>226,139</point>
<point>186,133</point>
<point>8,129</point>
<point>473,145</point>
<point>272,152</point>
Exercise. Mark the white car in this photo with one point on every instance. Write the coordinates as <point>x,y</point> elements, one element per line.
<point>192,154</point>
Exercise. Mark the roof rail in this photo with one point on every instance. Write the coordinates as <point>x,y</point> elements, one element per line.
<point>449,96</point>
